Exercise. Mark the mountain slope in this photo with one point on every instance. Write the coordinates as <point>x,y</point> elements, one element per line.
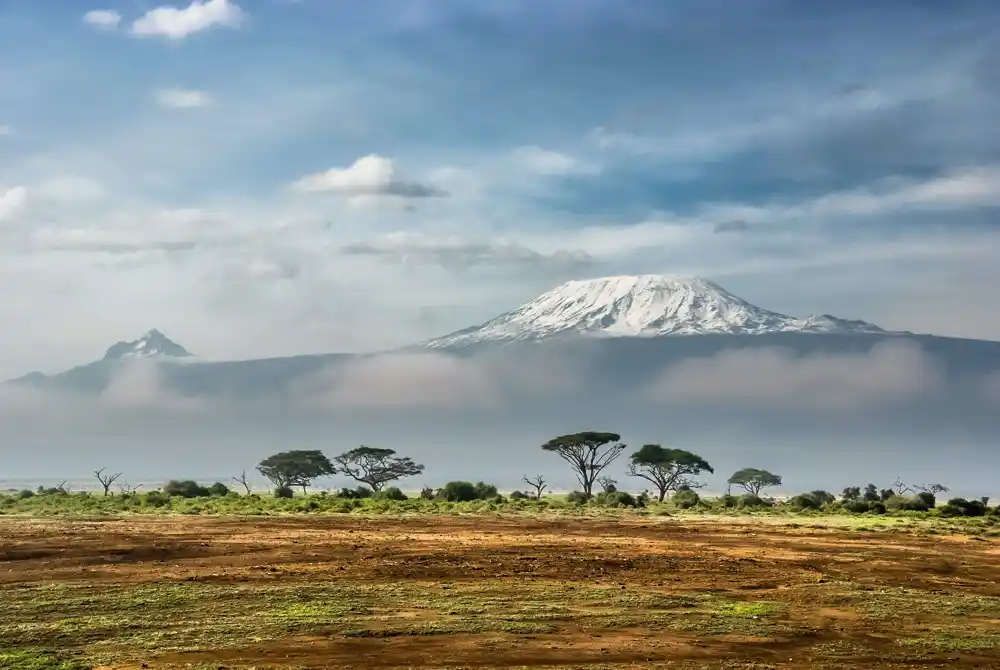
<point>153,344</point>
<point>641,306</point>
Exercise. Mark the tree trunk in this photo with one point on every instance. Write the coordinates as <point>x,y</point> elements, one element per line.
<point>663,494</point>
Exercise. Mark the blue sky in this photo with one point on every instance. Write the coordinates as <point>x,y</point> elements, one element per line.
<point>267,177</point>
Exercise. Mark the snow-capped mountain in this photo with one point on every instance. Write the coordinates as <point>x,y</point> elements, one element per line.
<point>153,344</point>
<point>642,306</point>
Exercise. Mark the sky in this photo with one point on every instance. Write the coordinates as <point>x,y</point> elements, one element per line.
<point>272,177</point>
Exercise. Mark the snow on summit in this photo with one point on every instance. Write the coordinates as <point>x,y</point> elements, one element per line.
<point>153,344</point>
<point>642,306</point>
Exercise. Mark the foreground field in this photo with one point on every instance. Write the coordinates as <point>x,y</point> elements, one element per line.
<point>479,591</point>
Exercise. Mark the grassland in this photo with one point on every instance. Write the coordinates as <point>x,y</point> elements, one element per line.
<point>560,588</point>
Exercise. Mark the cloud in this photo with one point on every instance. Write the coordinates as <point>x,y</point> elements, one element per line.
<point>403,381</point>
<point>550,163</point>
<point>454,252</point>
<point>12,201</point>
<point>103,19</point>
<point>5,130</point>
<point>178,98</point>
<point>370,175</point>
<point>737,226</point>
<point>176,24</point>
<point>890,373</point>
<point>71,188</point>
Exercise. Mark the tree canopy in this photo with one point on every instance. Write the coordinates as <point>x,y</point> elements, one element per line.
<point>375,467</point>
<point>295,468</point>
<point>588,453</point>
<point>754,480</point>
<point>667,469</point>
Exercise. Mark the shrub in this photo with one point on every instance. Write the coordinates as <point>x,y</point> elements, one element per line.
<point>928,499</point>
<point>643,499</point>
<point>749,500</point>
<point>823,497</point>
<point>357,493</point>
<point>485,491</point>
<point>614,499</point>
<point>427,493</point>
<point>458,492</point>
<point>284,492</point>
<point>518,495</point>
<point>25,494</point>
<point>218,489</point>
<point>728,500</point>
<point>391,493</point>
<point>577,497</point>
<point>963,507</point>
<point>685,499</point>
<point>857,506</point>
<point>878,507</point>
<point>805,501</point>
<point>156,499</point>
<point>899,503</point>
<point>185,489</point>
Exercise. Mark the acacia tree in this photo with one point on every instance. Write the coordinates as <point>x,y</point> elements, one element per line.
<point>106,480</point>
<point>588,453</point>
<point>538,483</point>
<point>295,468</point>
<point>754,480</point>
<point>667,469</point>
<point>375,467</point>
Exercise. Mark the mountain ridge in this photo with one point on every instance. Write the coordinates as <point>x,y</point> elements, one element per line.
<point>641,306</point>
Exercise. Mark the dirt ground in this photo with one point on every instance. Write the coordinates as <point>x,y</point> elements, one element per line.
<point>477,591</point>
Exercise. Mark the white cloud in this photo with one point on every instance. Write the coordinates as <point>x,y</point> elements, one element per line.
<point>103,19</point>
<point>178,98</point>
<point>176,24</point>
<point>889,373</point>
<point>71,188</point>
<point>370,175</point>
<point>12,201</point>
<point>413,248</point>
<point>553,163</point>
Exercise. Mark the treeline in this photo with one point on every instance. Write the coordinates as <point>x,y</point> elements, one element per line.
<point>670,472</point>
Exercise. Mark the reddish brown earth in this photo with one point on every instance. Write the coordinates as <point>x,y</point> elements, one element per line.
<point>619,592</point>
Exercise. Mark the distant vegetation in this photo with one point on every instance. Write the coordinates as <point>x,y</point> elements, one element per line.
<point>673,474</point>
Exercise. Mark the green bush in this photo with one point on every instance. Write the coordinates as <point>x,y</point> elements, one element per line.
<point>805,501</point>
<point>458,492</point>
<point>391,493</point>
<point>750,501</point>
<point>185,489</point>
<point>518,495</point>
<point>728,500</point>
<point>485,491</point>
<point>900,503</point>
<point>357,493</point>
<point>823,497</point>
<point>427,493</point>
<point>877,507</point>
<point>155,499</point>
<point>857,506</point>
<point>963,507</point>
<point>928,499</point>
<point>218,489</point>
<point>284,492</point>
<point>24,494</point>
<point>685,499</point>
<point>615,499</point>
<point>577,497</point>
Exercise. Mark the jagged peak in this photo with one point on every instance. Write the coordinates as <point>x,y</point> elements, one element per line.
<point>152,344</point>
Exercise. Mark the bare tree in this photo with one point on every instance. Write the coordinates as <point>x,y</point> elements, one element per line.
<point>538,483</point>
<point>129,490</point>
<point>106,480</point>
<point>62,487</point>
<point>608,485</point>
<point>242,479</point>
<point>933,489</point>
<point>900,487</point>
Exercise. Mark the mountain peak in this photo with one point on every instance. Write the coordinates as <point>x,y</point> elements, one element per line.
<point>152,344</point>
<point>641,306</point>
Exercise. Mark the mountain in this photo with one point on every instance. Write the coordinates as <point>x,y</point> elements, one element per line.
<point>641,306</point>
<point>153,344</point>
<point>619,331</point>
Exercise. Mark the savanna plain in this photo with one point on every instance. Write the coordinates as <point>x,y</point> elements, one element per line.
<point>503,588</point>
